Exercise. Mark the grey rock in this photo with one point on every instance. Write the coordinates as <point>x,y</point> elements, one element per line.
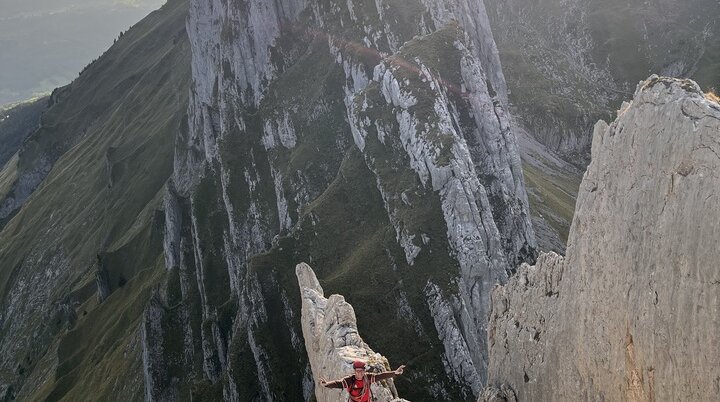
<point>157,386</point>
<point>476,172</point>
<point>473,18</point>
<point>460,348</point>
<point>17,123</point>
<point>501,394</point>
<point>631,313</point>
<point>332,340</point>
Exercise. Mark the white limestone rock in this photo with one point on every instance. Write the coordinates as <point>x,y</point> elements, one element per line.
<point>458,355</point>
<point>237,57</point>
<point>485,243</point>
<point>332,340</point>
<point>632,312</point>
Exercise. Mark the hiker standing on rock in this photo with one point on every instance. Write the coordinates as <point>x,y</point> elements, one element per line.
<point>358,384</point>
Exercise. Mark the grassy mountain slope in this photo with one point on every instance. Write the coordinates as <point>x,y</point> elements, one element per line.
<point>108,137</point>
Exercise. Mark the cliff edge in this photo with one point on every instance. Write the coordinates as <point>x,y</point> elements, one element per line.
<point>631,313</point>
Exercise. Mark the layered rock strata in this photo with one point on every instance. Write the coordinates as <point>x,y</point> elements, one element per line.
<point>332,340</point>
<point>632,312</point>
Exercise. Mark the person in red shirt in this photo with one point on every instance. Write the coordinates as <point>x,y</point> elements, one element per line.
<point>358,384</point>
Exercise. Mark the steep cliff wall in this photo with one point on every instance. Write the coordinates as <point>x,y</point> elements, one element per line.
<point>369,137</point>
<point>632,312</point>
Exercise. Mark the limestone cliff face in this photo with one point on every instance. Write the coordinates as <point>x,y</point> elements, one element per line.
<point>378,126</point>
<point>332,340</point>
<point>631,313</point>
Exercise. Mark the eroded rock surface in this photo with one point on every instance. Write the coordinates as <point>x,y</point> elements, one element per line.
<point>632,312</point>
<point>332,340</point>
<point>502,394</point>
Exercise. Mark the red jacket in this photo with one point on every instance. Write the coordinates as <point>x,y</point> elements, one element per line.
<point>359,390</point>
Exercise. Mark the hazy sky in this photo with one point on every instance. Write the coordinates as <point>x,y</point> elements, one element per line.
<point>45,43</point>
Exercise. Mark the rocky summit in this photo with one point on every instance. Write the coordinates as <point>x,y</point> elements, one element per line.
<point>631,312</point>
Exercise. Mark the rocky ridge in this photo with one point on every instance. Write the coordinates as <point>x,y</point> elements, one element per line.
<point>631,313</point>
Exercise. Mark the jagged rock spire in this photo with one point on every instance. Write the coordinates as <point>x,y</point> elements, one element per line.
<point>332,340</point>
<point>632,312</point>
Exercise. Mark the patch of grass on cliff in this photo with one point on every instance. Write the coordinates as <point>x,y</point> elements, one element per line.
<point>105,344</point>
<point>553,197</point>
<point>310,92</point>
<point>436,51</point>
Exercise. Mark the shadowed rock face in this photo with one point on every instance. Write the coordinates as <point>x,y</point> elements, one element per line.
<point>632,312</point>
<point>80,198</point>
<point>571,62</point>
<point>17,123</point>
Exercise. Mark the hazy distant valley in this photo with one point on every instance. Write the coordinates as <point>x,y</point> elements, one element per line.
<point>45,44</point>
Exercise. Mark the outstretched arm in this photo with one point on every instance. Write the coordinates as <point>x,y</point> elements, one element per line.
<point>331,384</point>
<point>389,374</point>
